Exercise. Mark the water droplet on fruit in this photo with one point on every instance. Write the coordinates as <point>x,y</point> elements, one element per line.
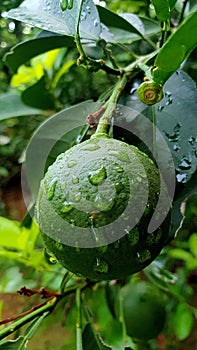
<point>67,206</point>
<point>133,236</point>
<point>119,187</point>
<point>120,169</point>
<point>50,189</point>
<point>77,197</point>
<point>71,164</point>
<point>49,258</point>
<point>143,255</point>
<point>63,185</point>
<point>100,266</point>
<point>90,147</point>
<point>154,238</point>
<point>97,176</point>
<point>75,180</point>
<point>123,156</point>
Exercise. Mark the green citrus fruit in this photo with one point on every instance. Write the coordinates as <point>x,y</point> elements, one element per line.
<point>94,206</point>
<point>143,310</point>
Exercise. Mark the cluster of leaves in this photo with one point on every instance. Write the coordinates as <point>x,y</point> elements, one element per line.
<point>46,74</point>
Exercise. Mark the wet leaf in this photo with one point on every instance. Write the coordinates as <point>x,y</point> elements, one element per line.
<point>23,52</point>
<point>54,136</point>
<point>176,118</point>
<point>48,15</point>
<point>39,96</point>
<point>11,106</point>
<point>176,50</point>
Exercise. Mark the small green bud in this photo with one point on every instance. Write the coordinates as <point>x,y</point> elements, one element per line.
<point>150,93</point>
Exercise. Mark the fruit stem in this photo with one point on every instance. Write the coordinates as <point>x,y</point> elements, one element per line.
<point>78,323</point>
<point>110,105</point>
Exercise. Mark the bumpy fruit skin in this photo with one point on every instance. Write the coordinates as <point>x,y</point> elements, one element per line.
<point>143,310</point>
<point>88,200</point>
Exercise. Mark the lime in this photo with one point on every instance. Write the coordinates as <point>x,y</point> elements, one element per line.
<point>94,206</point>
<point>143,310</point>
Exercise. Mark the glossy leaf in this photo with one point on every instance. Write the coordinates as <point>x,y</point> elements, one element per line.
<point>38,95</point>
<point>90,26</point>
<point>176,50</point>
<point>11,106</point>
<point>182,321</point>
<point>110,19</point>
<point>172,3</point>
<point>91,340</point>
<point>55,135</point>
<point>177,217</point>
<point>176,118</point>
<point>162,9</point>
<point>23,52</point>
<point>48,15</point>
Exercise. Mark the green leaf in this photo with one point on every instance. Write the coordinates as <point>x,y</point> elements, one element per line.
<point>47,14</point>
<point>39,96</point>
<point>180,254</point>
<point>10,233</point>
<point>11,106</point>
<point>182,321</point>
<point>111,19</point>
<point>176,118</point>
<point>172,3</point>
<point>193,244</point>
<point>55,135</point>
<point>17,344</point>
<point>91,340</point>
<point>32,328</point>
<point>90,26</point>
<point>23,52</point>
<point>162,9</point>
<point>176,50</point>
<point>177,217</point>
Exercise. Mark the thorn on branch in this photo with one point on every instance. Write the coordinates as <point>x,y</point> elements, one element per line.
<point>93,118</point>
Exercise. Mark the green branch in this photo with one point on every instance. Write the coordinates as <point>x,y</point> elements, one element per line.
<point>48,307</point>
